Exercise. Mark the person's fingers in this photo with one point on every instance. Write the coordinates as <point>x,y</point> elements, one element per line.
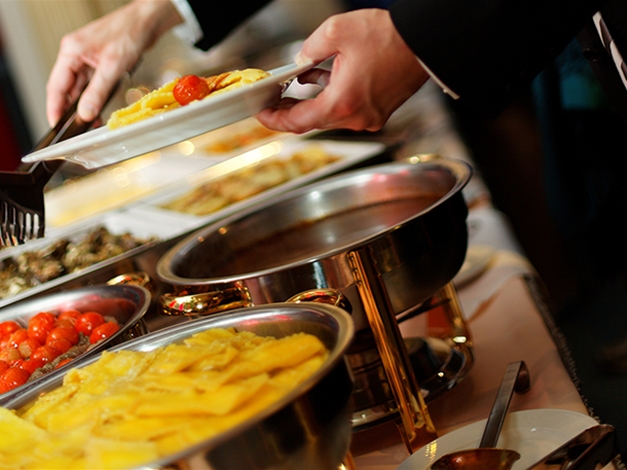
<point>317,47</point>
<point>290,115</point>
<point>103,81</point>
<point>316,77</point>
<point>61,85</point>
<point>327,111</point>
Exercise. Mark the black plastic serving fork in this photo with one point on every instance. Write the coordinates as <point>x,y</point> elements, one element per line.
<point>22,210</point>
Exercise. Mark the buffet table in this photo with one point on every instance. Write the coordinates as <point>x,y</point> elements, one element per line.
<point>499,291</point>
<point>506,310</point>
<point>509,320</point>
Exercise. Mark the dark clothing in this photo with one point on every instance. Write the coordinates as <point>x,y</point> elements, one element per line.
<point>217,23</point>
<point>488,50</point>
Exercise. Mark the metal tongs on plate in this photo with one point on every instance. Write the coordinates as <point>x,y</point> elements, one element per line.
<point>22,211</point>
<point>592,449</point>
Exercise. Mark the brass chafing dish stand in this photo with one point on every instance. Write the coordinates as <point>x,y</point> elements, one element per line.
<point>389,237</point>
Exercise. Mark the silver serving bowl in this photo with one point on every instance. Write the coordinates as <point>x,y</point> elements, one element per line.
<point>308,429</point>
<point>410,216</point>
<point>126,303</point>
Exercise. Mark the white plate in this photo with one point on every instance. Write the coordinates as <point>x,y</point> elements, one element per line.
<point>478,258</point>
<point>104,146</point>
<point>533,433</point>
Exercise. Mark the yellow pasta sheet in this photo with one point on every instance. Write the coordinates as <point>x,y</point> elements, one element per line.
<point>130,408</point>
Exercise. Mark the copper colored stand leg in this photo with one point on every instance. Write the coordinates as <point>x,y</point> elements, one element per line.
<point>447,302</point>
<point>348,463</point>
<point>415,426</point>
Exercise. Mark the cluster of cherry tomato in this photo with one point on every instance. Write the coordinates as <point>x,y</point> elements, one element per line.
<point>46,337</point>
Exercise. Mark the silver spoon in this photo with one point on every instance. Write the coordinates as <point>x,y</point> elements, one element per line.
<point>487,456</point>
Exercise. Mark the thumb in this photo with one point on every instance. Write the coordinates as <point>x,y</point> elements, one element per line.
<point>319,46</point>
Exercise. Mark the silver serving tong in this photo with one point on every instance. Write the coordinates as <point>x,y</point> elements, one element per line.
<point>22,211</point>
<point>591,449</point>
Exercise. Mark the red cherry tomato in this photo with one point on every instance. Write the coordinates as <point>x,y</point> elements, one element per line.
<point>103,331</point>
<point>46,317</point>
<point>60,344</point>
<point>190,88</point>
<point>87,322</point>
<point>38,328</point>
<point>17,337</point>
<point>13,377</point>
<point>31,365</point>
<point>46,353</point>
<point>70,334</point>
<point>69,316</point>
<point>8,327</point>
<point>3,366</point>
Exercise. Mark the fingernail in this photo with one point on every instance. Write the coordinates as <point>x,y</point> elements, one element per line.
<point>87,112</point>
<point>300,59</point>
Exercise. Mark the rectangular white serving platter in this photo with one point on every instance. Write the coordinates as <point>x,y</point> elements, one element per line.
<point>350,153</point>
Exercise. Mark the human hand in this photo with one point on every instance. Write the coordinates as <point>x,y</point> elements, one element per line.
<point>99,53</point>
<point>373,73</point>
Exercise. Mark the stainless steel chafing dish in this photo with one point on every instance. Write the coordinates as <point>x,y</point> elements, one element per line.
<point>390,238</point>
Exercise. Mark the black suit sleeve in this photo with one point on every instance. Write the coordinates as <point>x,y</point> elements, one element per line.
<point>217,21</point>
<point>487,50</point>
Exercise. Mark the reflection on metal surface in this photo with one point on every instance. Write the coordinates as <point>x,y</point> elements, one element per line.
<point>416,427</point>
<point>591,448</point>
<point>138,278</point>
<point>424,157</point>
<point>205,303</point>
<point>348,463</point>
<point>326,296</point>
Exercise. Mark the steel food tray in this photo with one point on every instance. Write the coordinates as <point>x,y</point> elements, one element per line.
<point>115,223</point>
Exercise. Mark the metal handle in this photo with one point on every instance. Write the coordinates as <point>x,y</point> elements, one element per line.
<point>588,449</point>
<point>205,303</point>
<point>138,278</point>
<point>516,379</point>
<point>326,296</point>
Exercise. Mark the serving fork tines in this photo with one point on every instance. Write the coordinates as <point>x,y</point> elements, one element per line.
<point>22,211</point>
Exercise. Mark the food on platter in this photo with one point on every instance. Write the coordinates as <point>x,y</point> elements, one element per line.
<point>129,408</point>
<point>32,268</point>
<point>48,341</point>
<point>239,139</point>
<point>247,182</point>
<point>180,92</point>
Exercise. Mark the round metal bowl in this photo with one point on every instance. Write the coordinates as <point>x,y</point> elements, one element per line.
<point>308,429</point>
<point>126,303</point>
<point>410,216</point>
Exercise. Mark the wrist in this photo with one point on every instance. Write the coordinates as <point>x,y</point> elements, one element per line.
<point>157,15</point>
